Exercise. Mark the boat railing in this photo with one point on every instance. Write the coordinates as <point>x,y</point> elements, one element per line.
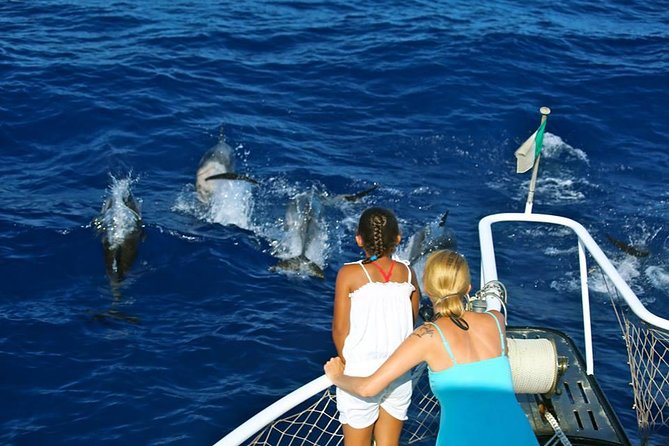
<point>585,242</point>
<point>646,335</point>
<point>274,411</point>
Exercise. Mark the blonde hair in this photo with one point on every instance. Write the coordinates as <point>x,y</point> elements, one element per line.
<point>446,280</point>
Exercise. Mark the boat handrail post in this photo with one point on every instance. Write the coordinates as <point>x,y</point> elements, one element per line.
<point>585,302</point>
<point>488,263</point>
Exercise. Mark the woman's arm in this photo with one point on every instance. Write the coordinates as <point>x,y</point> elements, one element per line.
<point>409,354</point>
<point>342,310</point>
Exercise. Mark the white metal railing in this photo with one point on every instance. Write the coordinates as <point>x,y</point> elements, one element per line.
<point>585,242</point>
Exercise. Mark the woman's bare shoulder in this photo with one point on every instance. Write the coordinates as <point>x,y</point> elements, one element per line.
<point>483,321</point>
<point>426,330</point>
<point>432,330</point>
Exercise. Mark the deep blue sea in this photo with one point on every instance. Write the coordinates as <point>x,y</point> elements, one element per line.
<point>427,99</point>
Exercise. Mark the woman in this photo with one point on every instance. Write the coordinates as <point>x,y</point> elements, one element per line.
<point>466,355</point>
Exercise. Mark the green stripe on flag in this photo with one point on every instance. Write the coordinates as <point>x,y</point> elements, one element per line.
<point>539,140</point>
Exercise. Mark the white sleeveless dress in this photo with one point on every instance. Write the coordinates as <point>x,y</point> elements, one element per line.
<point>381,319</point>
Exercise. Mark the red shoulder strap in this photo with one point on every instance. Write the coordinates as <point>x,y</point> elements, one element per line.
<point>386,276</point>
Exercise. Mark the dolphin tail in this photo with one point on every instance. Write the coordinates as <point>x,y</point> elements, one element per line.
<point>300,265</point>
<point>231,176</point>
<point>361,194</point>
<point>114,315</point>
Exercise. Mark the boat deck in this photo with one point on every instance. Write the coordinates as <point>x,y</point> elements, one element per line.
<point>579,406</point>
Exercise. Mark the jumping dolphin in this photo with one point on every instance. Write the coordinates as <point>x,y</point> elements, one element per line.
<point>432,237</point>
<point>628,249</point>
<point>305,237</point>
<point>121,229</point>
<point>216,164</point>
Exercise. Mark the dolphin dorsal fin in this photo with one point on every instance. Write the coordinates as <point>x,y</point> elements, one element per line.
<point>442,222</point>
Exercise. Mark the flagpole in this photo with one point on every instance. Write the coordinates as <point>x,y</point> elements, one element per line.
<point>545,111</point>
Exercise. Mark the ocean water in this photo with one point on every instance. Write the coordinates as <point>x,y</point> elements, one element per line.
<point>427,100</point>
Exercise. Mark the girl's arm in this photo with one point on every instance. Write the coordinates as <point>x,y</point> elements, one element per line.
<point>409,354</point>
<point>342,309</point>
<point>415,296</point>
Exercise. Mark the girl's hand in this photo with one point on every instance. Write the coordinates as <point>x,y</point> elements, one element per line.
<point>334,368</point>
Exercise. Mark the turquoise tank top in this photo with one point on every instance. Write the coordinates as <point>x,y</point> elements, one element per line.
<point>478,404</point>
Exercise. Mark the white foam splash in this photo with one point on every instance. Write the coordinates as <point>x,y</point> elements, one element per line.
<point>187,203</point>
<point>118,220</point>
<point>658,277</point>
<point>629,268</point>
<point>559,190</point>
<point>231,204</point>
<point>554,252</point>
<point>555,147</point>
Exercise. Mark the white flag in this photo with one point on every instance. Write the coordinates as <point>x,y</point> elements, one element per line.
<point>530,150</point>
<point>525,154</point>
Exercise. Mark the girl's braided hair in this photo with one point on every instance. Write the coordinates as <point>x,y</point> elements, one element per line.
<point>378,229</point>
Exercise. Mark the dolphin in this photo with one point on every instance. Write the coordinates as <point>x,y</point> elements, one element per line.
<point>121,228</point>
<point>434,236</point>
<point>627,248</point>
<point>304,235</point>
<point>216,164</point>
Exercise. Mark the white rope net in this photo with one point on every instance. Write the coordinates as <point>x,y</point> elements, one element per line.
<point>317,424</point>
<point>648,356</point>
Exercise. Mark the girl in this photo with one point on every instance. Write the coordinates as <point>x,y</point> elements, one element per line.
<point>465,352</point>
<point>375,307</point>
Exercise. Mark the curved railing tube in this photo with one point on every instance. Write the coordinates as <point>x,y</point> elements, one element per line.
<point>585,242</point>
<point>271,413</point>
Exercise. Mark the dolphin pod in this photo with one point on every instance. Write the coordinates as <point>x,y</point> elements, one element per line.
<point>121,228</point>
<point>120,224</point>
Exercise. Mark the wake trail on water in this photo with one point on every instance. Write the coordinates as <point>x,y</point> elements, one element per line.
<point>648,276</point>
<point>560,181</point>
